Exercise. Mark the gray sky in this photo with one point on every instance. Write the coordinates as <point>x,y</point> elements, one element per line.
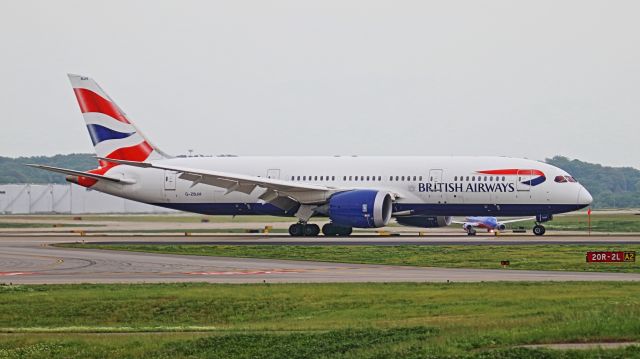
<point>527,79</point>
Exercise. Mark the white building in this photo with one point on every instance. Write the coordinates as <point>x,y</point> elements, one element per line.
<point>66,198</point>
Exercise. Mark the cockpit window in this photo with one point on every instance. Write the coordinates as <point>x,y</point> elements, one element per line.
<point>564,179</point>
<point>560,179</point>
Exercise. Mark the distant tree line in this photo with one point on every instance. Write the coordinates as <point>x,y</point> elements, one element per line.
<point>13,170</point>
<point>611,187</point>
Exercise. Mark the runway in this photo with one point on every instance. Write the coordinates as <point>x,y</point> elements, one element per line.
<point>25,260</point>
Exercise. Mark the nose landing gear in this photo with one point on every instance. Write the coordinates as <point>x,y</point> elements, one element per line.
<point>539,229</point>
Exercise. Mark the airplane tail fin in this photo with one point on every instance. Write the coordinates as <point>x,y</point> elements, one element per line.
<point>112,132</point>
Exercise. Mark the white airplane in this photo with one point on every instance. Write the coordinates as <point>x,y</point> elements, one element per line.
<point>360,192</point>
<point>491,224</point>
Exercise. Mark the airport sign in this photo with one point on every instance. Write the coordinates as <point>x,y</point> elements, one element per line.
<point>610,257</point>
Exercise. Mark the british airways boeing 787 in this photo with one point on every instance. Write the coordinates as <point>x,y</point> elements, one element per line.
<point>360,192</point>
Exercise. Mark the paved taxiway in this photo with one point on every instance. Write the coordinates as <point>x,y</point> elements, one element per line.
<point>32,260</point>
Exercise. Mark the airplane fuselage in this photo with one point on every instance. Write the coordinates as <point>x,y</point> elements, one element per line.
<point>441,186</point>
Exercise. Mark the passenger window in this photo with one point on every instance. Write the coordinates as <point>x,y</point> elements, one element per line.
<point>414,178</point>
<point>455,178</point>
<point>350,178</point>
<point>304,178</point>
<point>344,178</point>
<point>473,178</point>
<point>321,177</point>
<point>397,178</point>
<point>333,178</point>
<point>503,178</point>
<point>420,178</point>
<point>367,178</point>
<point>467,178</point>
<point>390,178</point>
<point>402,178</point>
<point>491,179</point>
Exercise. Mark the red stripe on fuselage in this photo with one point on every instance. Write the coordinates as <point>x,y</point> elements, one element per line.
<point>513,171</point>
<point>90,101</point>
<point>138,153</point>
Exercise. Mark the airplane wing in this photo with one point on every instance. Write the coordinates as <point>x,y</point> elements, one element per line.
<point>82,174</point>
<point>283,194</point>
<point>518,220</point>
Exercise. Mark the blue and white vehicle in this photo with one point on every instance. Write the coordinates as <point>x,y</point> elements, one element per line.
<point>360,192</point>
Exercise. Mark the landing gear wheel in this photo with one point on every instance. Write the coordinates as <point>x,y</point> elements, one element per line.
<point>331,229</point>
<point>539,230</point>
<point>311,230</point>
<point>471,232</point>
<point>345,231</point>
<point>296,230</point>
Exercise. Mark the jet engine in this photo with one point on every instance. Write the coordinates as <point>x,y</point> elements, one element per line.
<point>360,208</point>
<point>425,221</point>
<point>501,227</point>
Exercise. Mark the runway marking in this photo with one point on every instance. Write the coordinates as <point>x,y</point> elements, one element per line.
<point>15,273</point>
<point>247,272</point>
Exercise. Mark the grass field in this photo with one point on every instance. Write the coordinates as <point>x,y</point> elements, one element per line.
<point>532,257</point>
<point>480,320</point>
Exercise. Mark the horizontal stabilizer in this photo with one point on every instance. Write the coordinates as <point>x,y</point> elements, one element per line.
<point>82,174</point>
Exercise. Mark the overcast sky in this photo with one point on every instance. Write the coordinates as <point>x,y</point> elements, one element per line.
<point>527,79</point>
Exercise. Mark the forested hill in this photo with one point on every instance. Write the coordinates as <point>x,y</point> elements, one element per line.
<point>611,187</point>
<point>13,170</point>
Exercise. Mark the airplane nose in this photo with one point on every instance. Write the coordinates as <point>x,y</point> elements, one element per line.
<point>584,197</point>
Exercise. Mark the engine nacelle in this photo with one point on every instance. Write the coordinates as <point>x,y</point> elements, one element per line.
<point>501,227</point>
<point>425,221</point>
<point>360,208</point>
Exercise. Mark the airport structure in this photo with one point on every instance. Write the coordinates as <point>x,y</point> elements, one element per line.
<point>66,198</point>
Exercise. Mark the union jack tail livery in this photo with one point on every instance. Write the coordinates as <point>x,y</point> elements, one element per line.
<point>113,134</point>
<point>111,131</point>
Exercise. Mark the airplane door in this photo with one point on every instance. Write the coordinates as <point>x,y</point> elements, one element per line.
<point>273,173</point>
<point>169,181</point>
<point>435,178</point>
<point>524,175</point>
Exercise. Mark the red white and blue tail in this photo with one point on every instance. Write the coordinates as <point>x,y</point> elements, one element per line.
<point>112,132</point>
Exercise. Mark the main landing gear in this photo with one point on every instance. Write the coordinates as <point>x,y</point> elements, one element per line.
<point>304,230</point>
<point>331,229</point>
<point>313,230</point>
<point>539,229</point>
